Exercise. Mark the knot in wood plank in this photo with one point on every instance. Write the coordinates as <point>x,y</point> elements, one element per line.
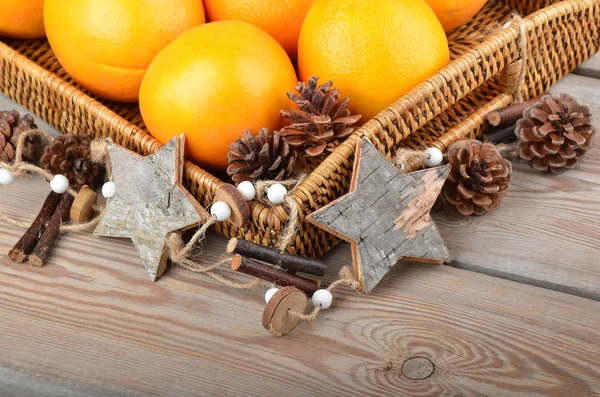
<point>417,368</point>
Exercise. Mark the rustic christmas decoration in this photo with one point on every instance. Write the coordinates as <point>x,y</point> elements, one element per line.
<point>240,211</point>
<point>323,121</point>
<point>73,160</point>
<point>273,274</point>
<point>30,239</point>
<point>385,216</point>
<point>83,205</point>
<point>478,179</point>
<point>278,316</point>
<point>70,155</point>
<point>12,125</point>
<point>266,156</point>
<point>555,133</point>
<point>511,113</point>
<point>52,231</point>
<point>149,202</point>
<point>288,262</point>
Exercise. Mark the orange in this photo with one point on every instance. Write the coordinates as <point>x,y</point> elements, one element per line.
<point>282,19</point>
<point>214,82</point>
<point>453,13</point>
<point>107,45</point>
<point>22,18</point>
<point>374,51</point>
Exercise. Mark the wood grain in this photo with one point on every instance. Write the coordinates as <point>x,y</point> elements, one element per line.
<point>91,321</point>
<point>547,232</point>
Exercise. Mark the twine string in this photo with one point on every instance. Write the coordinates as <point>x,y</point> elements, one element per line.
<point>405,155</point>
<point>180,255</point>
<point>524,49</point>
<point>287,235</point>
<point>346,278</point>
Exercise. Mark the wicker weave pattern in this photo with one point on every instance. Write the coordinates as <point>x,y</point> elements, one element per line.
<point>450,105</point>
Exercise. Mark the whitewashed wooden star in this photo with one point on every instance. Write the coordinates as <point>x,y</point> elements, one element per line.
<point>385,216</point>
<point>150,201</point>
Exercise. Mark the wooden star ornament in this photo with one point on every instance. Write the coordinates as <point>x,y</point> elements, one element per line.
<point>150,201</point>
<point>385,216</point>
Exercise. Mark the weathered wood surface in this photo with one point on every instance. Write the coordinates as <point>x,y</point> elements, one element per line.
<point>149,188</point>
<point>90,323</point>
<point>590,68</point>
<point>547,232</point>
<point>385,216</point>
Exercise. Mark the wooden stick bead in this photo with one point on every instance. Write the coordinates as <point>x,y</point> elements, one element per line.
<point>29,240</point>
<point>273,274</point>
<point>240,211</point>
<point>83,205</point>
<point>276,317</point>
<point>289,262</point>
<point>509,114</point>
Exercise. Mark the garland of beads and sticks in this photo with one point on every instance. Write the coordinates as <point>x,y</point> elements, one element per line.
<point>281,270</point>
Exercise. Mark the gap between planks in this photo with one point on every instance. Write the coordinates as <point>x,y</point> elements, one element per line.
<point>546,234</point>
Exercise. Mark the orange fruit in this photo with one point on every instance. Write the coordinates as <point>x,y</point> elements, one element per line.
<point>214,82</point>
<point>107,45</point>
<point>22,19</point>
<point>453,13</point>
<point>282,19</point>
<point>374,51</point>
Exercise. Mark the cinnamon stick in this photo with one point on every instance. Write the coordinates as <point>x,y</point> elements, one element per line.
<point>502,133</point>
<point>52,232</point>
<point>30,238</point>
<point>291,263</point>
<point>509,114</point>
<point>273,274</point>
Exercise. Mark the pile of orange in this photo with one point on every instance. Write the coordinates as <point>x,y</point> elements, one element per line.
<point>215,80</point>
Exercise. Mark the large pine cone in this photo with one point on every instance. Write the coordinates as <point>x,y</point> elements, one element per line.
<point>555,133</point>
<point>266,156</point>
<point>323,121</point>
<point>478,178</point>
<point>70,155</point>
<point>11,127</point>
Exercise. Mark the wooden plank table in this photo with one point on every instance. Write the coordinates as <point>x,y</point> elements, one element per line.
<point>90,323</point>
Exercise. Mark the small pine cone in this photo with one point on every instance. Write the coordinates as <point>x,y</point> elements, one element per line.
<point>11,127</point>
<point>266,156</point>
<point>70,155</point>
<point>555,133</point>
<point>323,121</point>
<point>478,178</point>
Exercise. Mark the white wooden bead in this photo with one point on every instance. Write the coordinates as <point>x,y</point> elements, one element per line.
<point>435,157</point>
<point>276,193</point>
<point>59,184</point>
<point>269,294</point>
<point>109,189</point>
<point>221,210</point>
<point>6,178</point>
<point>247,189</point>
<point>323,298</point>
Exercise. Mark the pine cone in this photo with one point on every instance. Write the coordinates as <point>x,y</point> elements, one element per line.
<point>323,121</point>
<point>266,156</point>
<point>70,155</point>
<point>478,178</point>
<point>11,127</point>
<point>555,133</point>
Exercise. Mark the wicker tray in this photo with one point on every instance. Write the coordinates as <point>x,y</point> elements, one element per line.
<point>448,106</point>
